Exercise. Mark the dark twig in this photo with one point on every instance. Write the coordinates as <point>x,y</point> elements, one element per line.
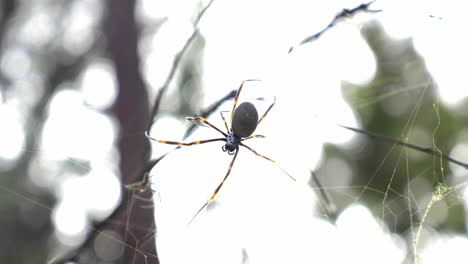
<point>325,200</point>
<point>427,150</point>
<point>207,112</point>
<point>175,65</point>
<point>344,14</point>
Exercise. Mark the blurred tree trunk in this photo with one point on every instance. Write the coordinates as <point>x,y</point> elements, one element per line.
<point>136,224</point>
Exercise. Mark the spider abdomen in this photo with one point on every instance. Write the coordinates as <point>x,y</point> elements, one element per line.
<point>244,120</point>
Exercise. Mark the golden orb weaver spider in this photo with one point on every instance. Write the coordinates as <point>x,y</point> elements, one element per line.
<point>244,120</point>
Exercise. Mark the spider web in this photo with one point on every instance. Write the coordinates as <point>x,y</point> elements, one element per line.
<point>416,196</point>
<point>413,198</point>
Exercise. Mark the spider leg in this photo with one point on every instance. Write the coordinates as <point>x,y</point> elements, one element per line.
<point>198,142</point>
<point>224,121</point>
<point>140,185</point>
<point>253,136</point>
<point>140,188</point>
<point>204,121</point>
<point>266,112</point>
<point>217,188</point>
<point>277,165</point>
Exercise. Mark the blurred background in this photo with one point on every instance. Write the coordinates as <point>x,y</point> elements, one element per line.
<point>81,81</point>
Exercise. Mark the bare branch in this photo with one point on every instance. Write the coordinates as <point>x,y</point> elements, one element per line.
<point>325,200</point>
<point>344,14</point>
<point>175,65</point>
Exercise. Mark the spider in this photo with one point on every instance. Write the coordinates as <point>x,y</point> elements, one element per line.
<point>244,120</point>
<point>140,188</point>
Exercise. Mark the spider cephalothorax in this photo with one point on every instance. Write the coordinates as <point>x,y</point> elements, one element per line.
<point>232,143</point>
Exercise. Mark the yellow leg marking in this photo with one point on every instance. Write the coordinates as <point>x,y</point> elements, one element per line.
<point>198,142</point>
<point>266,112</point>
<point>254,136</point>
<point>213,196</point>
<point>204,121</point>
<point>224,121</point>
<point>274,162</point>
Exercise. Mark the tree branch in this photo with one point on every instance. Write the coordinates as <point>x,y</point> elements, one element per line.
<point>175,65</point>
<point>344,14</point>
